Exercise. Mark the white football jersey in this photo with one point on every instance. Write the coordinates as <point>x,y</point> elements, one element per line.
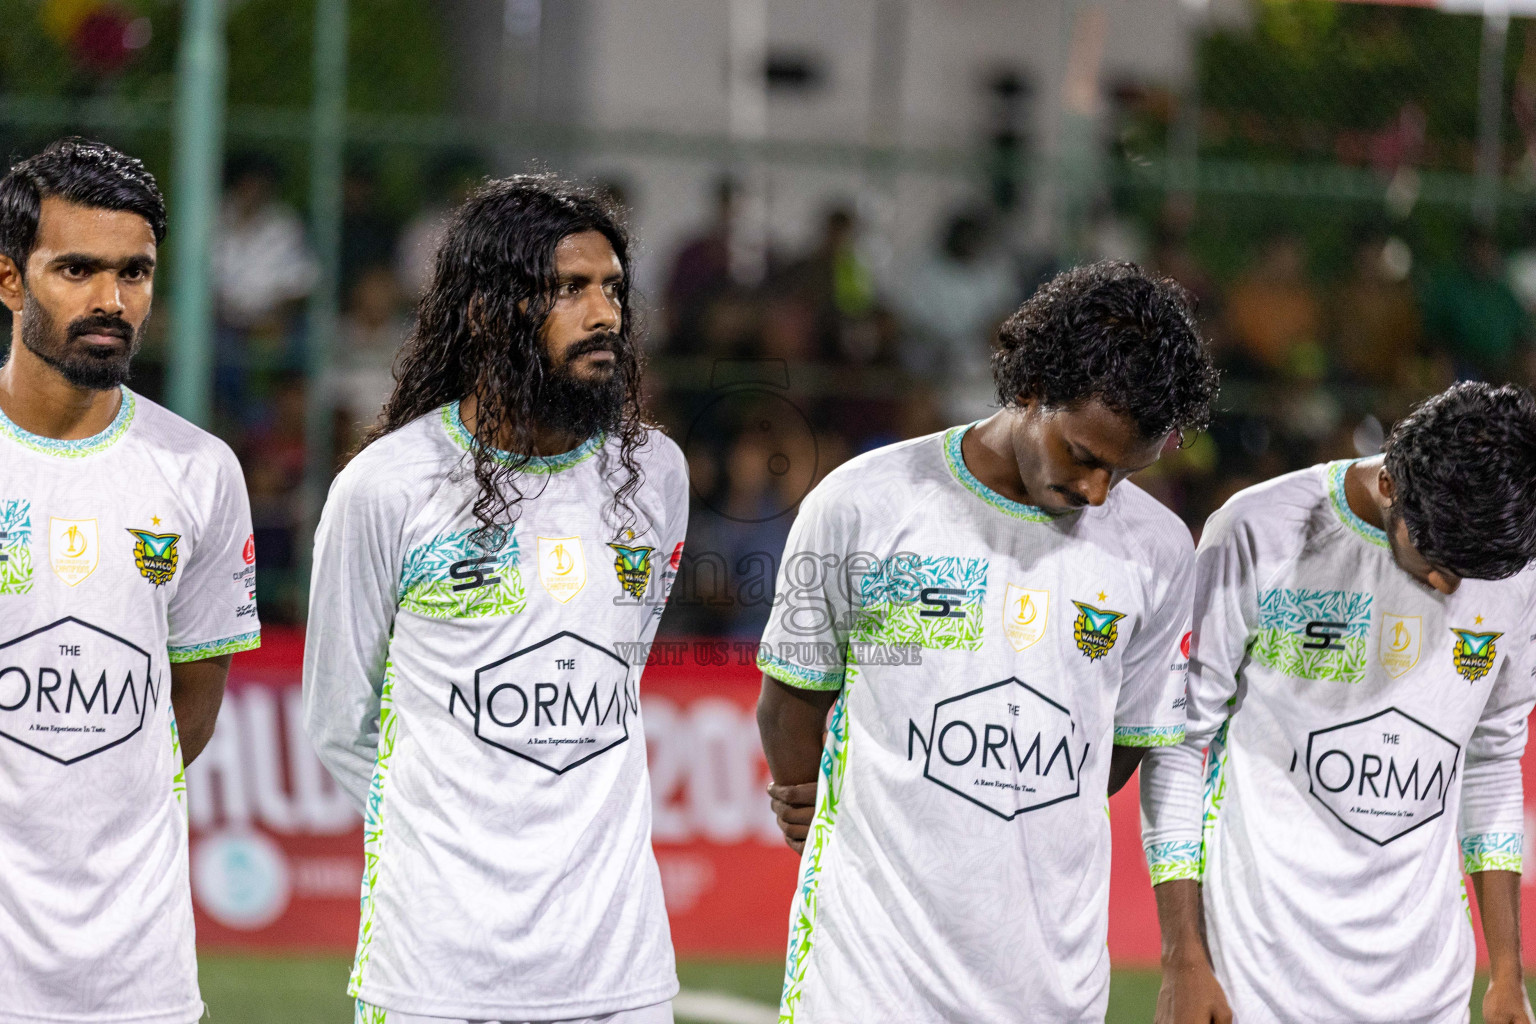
<point>989,656</point>
<point>119,555</point>
<point>481,704</point>
<point>1365,734</point>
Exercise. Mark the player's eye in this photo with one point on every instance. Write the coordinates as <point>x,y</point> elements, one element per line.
<point>611,289</point>
<point>134,274</point>
<point>76,271</point>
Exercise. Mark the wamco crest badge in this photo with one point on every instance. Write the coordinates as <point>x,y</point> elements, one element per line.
<point>155,555</point>
<point>1095,630</point>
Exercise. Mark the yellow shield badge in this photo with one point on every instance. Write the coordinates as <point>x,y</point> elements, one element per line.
<point>562,567</point>
<point>1398,645</point>
<point>1024,615</point>
<point>155,555</point>
<point>72,548</point>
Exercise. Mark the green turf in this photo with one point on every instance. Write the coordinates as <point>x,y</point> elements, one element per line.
<point>311,990</point>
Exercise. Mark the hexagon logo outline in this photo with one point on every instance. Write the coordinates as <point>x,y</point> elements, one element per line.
<point>1312,779</point>
<point>934,742</point>
<point>480,707</point>
<point>143,710</point>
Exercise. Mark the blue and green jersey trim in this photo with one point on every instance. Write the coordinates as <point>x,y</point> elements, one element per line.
<point>1335,472</point>
<point>1169,862</point>
<point>1148,735</point>
<point>214,648</point>
<point>1493,851</point>
<point>797,676</point>
<point>453,423</point>
<point>956,463</point>
<point>81,447</point>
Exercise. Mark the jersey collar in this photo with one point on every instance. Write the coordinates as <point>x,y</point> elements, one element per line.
<point>542,464</point>
<point>1334,472</point>
<point>74,449</point>
<point>956,463</point>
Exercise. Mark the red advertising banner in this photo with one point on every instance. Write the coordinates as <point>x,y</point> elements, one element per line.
<point>277,849</point>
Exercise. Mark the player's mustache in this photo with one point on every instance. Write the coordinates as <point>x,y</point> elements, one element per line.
<point>602,341</point>
<point>114,326</point>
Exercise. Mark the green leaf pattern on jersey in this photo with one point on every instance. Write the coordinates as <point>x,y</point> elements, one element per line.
<point>1215,792</point>
<point>15,546</point>
<point>367,1013</point>
<point>373,826</point>
<point>426,587</point>
<point>1493,851</point>
<point>179,779</point>
<point>890,604</point>
<point>802,918</point>
<point>1284,615</point>
<point>1173,860</point>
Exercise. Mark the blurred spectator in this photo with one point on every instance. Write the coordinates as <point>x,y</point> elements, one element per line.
<point>1274,314</point>
<point>837,281</point>
<point>273,454</point>
<point>701,270</point>
<point>1470,309</point>
<point>262,263</point>
<point>373,328</point>
<point>953,300</point>
<point>262,269</point>
<point>1376,318</point>
<point>449,183</point>
<point>367,235</point>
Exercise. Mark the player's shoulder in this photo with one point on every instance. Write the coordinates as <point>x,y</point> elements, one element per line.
<point>659,454</point>
<point>1142,522</point>
<point>880,472</point>
<point>1290,499</point>
<point>1276,516</point>
<point>159,429</point>
<point>413,458</point>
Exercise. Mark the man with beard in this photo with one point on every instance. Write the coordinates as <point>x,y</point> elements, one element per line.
<point>125,573</point>
<point>481,566</point>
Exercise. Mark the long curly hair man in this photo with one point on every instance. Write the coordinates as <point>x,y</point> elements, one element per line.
<point>481,334</point>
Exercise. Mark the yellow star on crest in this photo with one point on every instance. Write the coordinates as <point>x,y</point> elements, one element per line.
<point>154,520</point>
<point>1102,596</point>
<point>1478,620</point>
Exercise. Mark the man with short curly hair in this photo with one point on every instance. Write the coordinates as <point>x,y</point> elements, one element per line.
<point>1361,672</point>
<point>994,619</point>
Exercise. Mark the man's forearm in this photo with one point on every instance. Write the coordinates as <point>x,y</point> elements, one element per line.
<point>197,691</point>
<point>1498,902</point>
<point>791,723</point>
<point>1178,918</point>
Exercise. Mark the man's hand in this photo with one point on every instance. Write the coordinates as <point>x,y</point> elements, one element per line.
<point>1506,1002</point>
<point>1190,994</point>
<point>793,808</point>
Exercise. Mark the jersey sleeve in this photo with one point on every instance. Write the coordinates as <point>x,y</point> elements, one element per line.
<point>1492,826</point>
<point>805,642</point>
<point>671,535</point>
<point>1150,708</point>
<point>214,609</point>
<point>352,601</point>
<point>1174,779</point>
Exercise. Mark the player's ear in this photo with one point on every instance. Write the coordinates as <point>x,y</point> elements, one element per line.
<point>1386,485</point>
<point>11,284</point>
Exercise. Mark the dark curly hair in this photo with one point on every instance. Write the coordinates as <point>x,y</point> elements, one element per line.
<point>79,171</point>
<point>478,331</point>
<point>1111,332</point>
<point>1463,464</point>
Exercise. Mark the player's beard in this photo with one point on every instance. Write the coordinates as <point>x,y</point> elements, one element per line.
<point>84,367</point>
<point>578,405</point>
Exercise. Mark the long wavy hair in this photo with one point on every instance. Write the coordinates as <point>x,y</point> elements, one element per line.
<point>478,331</point>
